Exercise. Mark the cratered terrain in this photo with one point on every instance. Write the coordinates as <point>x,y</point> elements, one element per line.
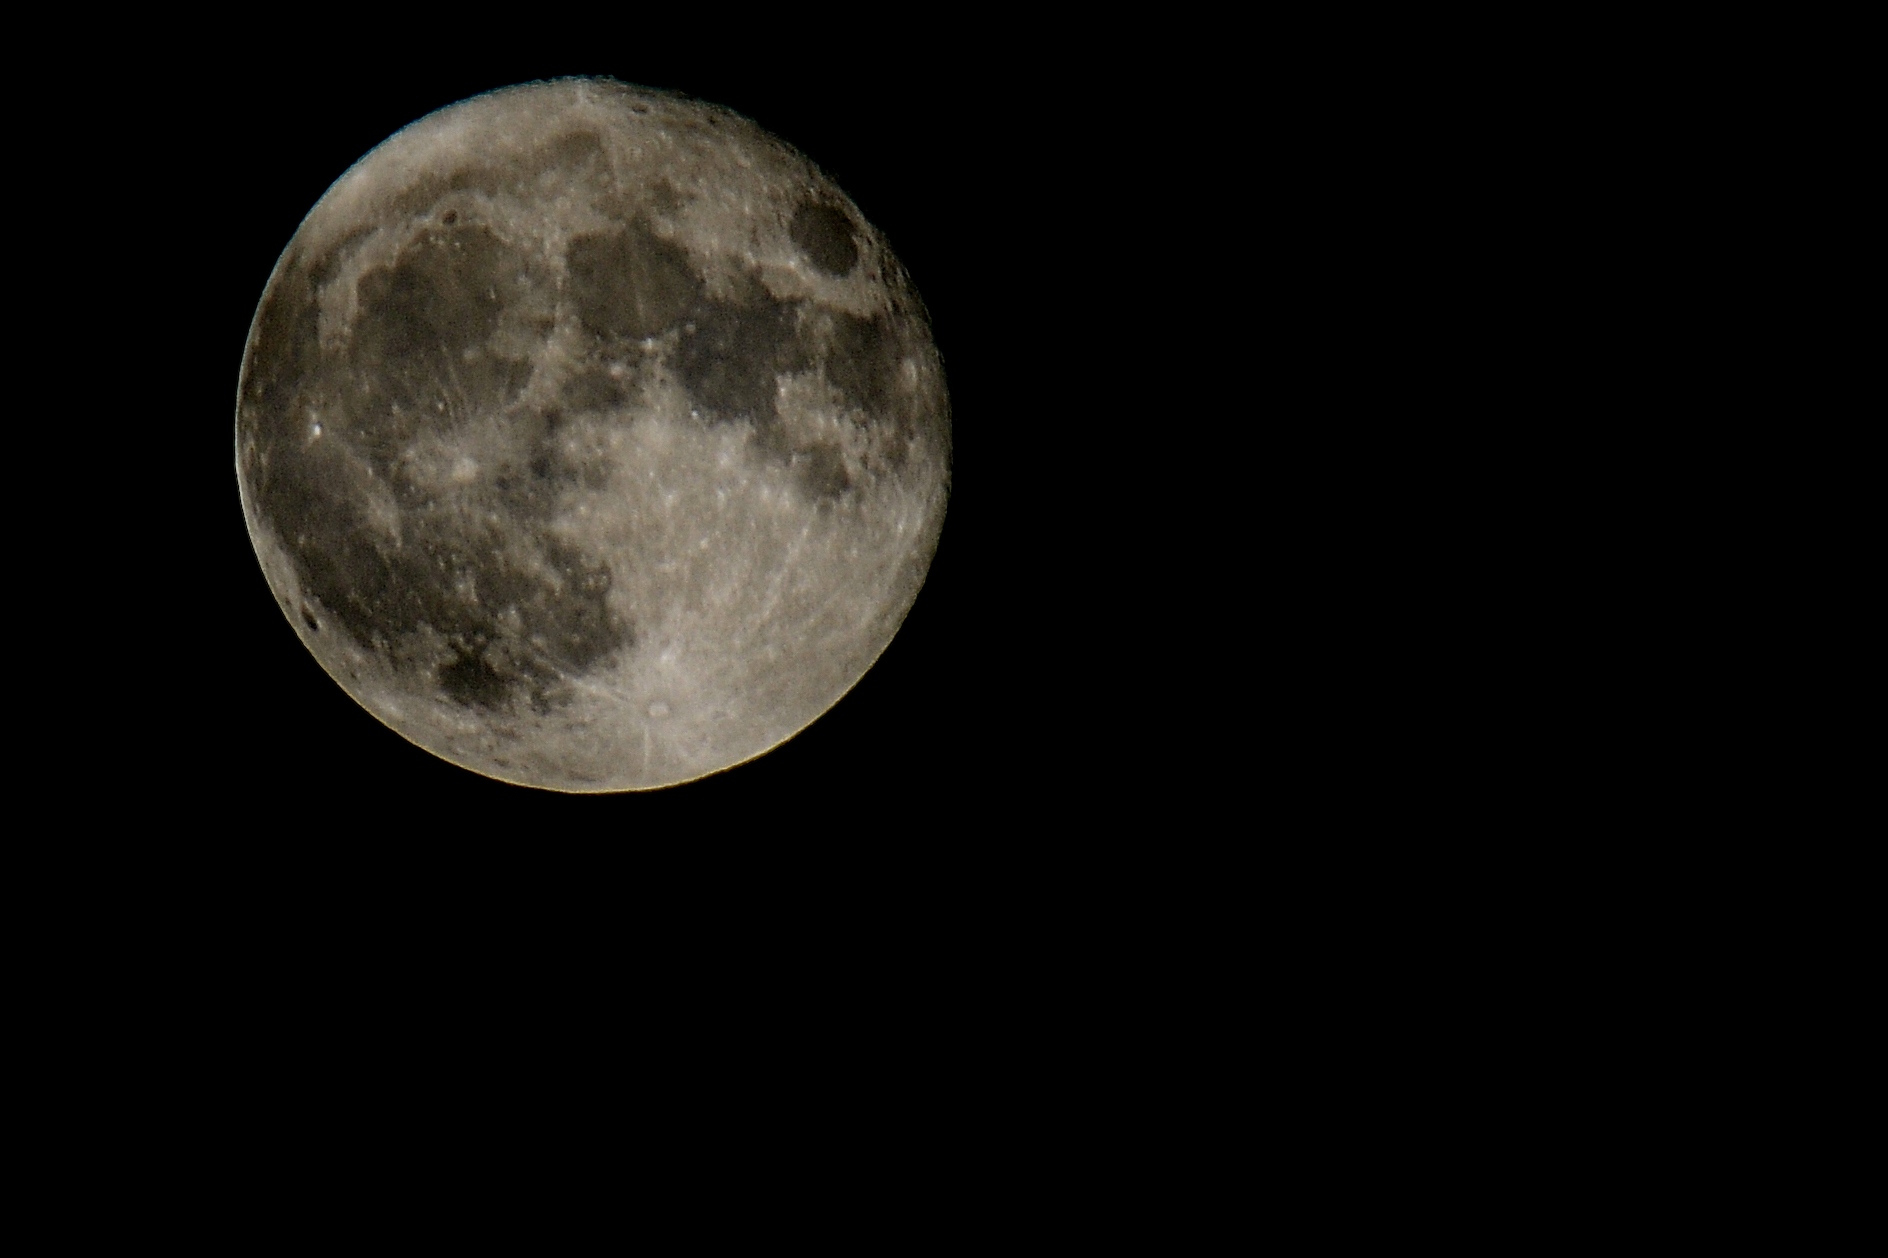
<point>590,437</point>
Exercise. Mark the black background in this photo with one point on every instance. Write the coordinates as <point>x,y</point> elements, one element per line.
<point>999,183</point>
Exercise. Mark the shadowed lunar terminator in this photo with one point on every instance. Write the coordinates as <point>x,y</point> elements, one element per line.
<point>590,437</point>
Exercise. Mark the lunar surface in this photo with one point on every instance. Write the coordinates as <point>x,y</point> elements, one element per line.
<point>590,438</point>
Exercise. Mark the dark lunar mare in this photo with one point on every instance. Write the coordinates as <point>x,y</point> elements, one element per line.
<point>864,363</point>
<point>629,284</point>
<point>516,609</point>
<point>730,350</point>
<point>733,352</point>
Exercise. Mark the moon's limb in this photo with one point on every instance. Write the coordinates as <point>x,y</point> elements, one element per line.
<point>590,437</point>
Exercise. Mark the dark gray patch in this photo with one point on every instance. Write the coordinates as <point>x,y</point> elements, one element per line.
<point>549,469</point>
<point>576,623</point>
<point>283,353</point>
<point>456,573</point>
<point>472,681</point>
<point>323,268</point>
<point>630,283</point>
<point>417,358</point>
<point>770,441</point>
<point>733,352</point>
<point>534,474</point>
<point>864,362</point>
<point>487,179</point>
<point>525,495</point>
<point>824,234</point>
<point>821,472</point>
<point>309,619</point>
<point>443,295</point>
<point>572,149</point>
<point>374,592</point>
<point>593,389</point>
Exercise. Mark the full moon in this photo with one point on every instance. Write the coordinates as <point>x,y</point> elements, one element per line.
<point>590,438</point>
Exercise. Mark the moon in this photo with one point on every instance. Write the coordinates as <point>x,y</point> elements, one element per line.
<point>590,438</point>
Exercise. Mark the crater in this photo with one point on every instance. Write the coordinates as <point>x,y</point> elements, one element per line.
<point>824,234</point>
